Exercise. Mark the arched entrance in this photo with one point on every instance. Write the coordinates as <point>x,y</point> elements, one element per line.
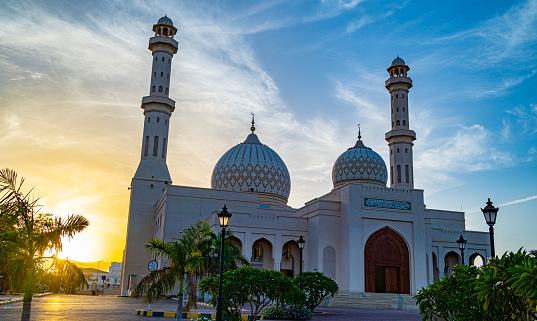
<point>386,263</point>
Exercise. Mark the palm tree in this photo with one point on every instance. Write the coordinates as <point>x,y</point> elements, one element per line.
<point>185,262</point>
<point>32,235</point>
<point>188,259</point>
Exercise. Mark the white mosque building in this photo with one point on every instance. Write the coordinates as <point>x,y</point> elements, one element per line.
<point>366,235</point>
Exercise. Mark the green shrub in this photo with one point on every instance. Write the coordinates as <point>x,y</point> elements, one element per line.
<point>274,313</point>
<point>317,287</point>
<point>505,289</point>
<point>292,312</point>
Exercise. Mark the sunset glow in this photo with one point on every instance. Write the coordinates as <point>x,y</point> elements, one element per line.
<point>73,76</point>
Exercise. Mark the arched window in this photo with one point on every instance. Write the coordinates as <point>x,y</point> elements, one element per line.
<point>398,173</point>
<point>406,150</point>
<point>166,122</point>
<point>169,61</point>
<point>160,89</point>
<point>148,119</point>
<point>403,95</point>
<point>146,147</point>
<point>154,88</point>
<point>162,59</point>
<point>158,119</point>
<point>164,148</point>
<point>162,73</point>
<point>329,262</point>
<point>155,146</point>
<point>397,122</point>
<point>166,92</point>
<point>154,74</point>
<point>403,109</point>
<point>391,174</point>
<point>156,58</point>
<point>397,109</point>
<point>392,124</point>
<point>391,151</point>
<point>396,96</point>
<point>404,122</point>
<point>168,76</point>
<point>407,175</point>
<point>397,150</point>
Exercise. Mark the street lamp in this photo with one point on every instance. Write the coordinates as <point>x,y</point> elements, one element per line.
<point>300,242</point>
<point>490,212</point>
<point>462,245</point>
<point>223,217</point>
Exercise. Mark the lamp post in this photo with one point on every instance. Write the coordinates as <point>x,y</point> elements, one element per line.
<point>223,217</point>
<point>300,242</point>
<point>490,212</point>
<point>462,245</point>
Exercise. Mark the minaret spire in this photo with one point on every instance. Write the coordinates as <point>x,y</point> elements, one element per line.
<point>359,134</point>
<point>400,138</point>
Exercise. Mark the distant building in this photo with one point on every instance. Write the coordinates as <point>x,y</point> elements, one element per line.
<point>96,283</point>
<point>368,236</point>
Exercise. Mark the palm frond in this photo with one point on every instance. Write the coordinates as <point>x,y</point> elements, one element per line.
<point>157,283</point>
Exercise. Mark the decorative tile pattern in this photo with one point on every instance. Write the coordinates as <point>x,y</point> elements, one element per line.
<point>360,163</point>
<point>252,165</point>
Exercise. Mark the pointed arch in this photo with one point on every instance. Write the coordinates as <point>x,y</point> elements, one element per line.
<point>387,262</point>
<point>450,260</point>
<point>262,254</point>
<point>477,256</point>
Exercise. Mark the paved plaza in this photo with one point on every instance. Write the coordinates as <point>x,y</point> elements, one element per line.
<point>84,308</point>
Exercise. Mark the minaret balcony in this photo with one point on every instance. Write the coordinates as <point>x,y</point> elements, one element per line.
<point>404,134</point>
<point>159,103</point>
<point>165,44</point>
<point>404,82</point>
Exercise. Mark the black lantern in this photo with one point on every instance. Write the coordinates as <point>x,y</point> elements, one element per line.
<point>462,245</point>
<point>223,217</point>
<point>490,212</point>
<point>300,242</point>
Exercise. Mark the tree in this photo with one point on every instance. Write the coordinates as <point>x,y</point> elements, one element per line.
<point>187,260</point>
<point>504,289</point>
<point>317,287</point>
<point>32,235</point>
<point>70,277</point>
<point>257,287</point>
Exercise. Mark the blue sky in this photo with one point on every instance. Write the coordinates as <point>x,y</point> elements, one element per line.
<point>73,74</point>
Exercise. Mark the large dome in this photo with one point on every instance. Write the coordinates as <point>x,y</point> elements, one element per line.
<point>253,167</point>
<point>359,164</point>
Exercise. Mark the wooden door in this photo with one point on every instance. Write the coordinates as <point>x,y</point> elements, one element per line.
<point>392,285</point>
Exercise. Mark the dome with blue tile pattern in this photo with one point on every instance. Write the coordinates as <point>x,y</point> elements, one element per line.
<point>398,62</point>
<point>165,20</point>
<point>252,167</point>
<point>359,164</point>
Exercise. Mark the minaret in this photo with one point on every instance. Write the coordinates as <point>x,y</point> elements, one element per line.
<point>152,175</point>
<point>157,107</point>
<point>400,138</point>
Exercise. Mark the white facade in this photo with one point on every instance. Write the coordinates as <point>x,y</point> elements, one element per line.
<point>368,237</point>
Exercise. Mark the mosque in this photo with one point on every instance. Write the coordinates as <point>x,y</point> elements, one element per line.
<point>367,236</point>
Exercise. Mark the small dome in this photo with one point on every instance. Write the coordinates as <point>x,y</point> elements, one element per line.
<point>165,20</point>
<point>359,164</point>
<point>253,167</point>
<point>398,62</point>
